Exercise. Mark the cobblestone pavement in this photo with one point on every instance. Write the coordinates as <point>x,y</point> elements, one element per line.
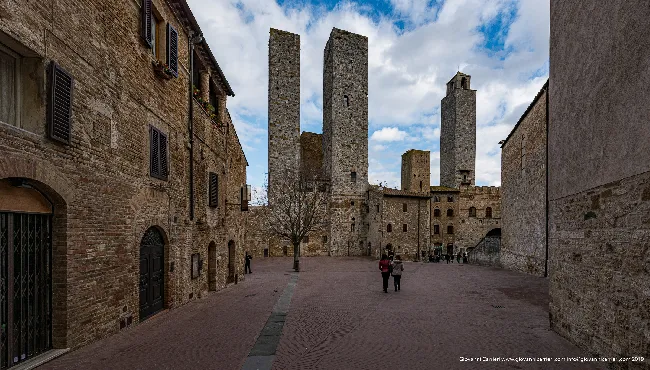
<point>339,318</point>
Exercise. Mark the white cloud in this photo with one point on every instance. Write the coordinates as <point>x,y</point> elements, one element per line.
<point>408,69</point>
<point>389,134</point>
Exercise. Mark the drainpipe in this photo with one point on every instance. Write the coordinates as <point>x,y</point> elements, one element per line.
<point>418,229</point>
<point>546,200</point>
<point>192,39</point>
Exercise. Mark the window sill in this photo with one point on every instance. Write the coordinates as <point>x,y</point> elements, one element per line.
<point>162,70</point>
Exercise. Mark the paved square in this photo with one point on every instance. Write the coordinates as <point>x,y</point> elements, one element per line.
<point>339,318</point>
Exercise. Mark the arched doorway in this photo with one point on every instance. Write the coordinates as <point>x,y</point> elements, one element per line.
<point>212,266</point>
<point>231,261</point>
<point>25,272</point>
<point>152,274</point>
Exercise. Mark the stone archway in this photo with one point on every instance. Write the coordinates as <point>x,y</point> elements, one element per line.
<point>212,267</point>
<point>33,222</point>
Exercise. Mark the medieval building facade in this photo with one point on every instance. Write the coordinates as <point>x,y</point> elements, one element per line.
<point>122,186</point>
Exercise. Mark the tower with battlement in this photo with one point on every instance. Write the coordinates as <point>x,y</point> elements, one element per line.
<point>345,138</point>
<point>284,105</point>
<point>416,171</point>
<point>458,133</point>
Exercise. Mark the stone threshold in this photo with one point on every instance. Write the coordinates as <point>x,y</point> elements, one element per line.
<point>40,359</point>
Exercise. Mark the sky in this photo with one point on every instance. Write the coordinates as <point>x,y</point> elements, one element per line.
<point>414,48</point>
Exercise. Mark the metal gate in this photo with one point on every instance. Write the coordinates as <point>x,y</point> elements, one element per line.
<point>25,286</point>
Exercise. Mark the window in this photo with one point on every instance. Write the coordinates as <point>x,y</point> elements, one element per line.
<point>172,49</point>
<point>155,22</point>
<point>214,100</point>
<point>404,207</point>
<point>9,83</point>
<point>450,199</point>
<point>377,207</point>
<point>158,154</point>
<point>352,227</point>
<point>436,229</point>
<point>353,176</point>
<point>450,212</point>
<point>420,185</point>
<point>352,203</point>
<point>463,83</point>
<point>472,212</point>
<point>389,228</point>
<point>450,229</point>
<point>324,238</point>
<point>146,23</point>
<point>347,100</point>
<point>488,212</point>
<point>405,228</point>
<point>245,196</point>
<point>213,190</point>
<point>305,239</point>
<point>436,199</point>
<point>436,212</point>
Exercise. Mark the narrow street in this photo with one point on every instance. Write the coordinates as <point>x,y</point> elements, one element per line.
<point>339,318</point>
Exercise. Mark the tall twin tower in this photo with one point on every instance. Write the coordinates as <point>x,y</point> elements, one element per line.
<point>345,127</point>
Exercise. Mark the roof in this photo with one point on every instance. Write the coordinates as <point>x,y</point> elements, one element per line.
<point>403,193</point>
<point>184,8</point>
<point>530,107</point>
<point>443,189</point>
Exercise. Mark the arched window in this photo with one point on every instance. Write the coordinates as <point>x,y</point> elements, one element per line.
<point>436,229</point>
<point>450,199</point>
<point>463,83</point>
<point>436,199</point>
<point>488,212</point>
<point>472,212</point>
<point>436,212</point>
<point>450,229</point>
<point>450,212</point>
<point>389,228</point>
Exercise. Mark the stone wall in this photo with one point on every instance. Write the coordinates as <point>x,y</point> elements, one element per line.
<point>440,200</point>
<point>311,155</point>
<point>599,179</point>
<point>472,229</point>
<point>416,218</point>
<point>104,197</point>
<point>458,133</point>
<point>284,105</point>
<point>416,171</point>
<point>523,189</point>
<point>487,252</point>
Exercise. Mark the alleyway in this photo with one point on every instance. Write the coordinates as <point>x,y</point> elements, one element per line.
<point>339,318</point>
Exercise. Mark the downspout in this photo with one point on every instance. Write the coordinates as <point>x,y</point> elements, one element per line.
<point>191,123</point>
<point>418,229</point>
<point>546,200</point>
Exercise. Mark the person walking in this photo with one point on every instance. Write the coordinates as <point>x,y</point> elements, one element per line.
<point>447,258</point>
<point>247,264</point>
<point>458,257</point>
<point>384,265</point>
<point>398,267</point>
<point>464,257</point>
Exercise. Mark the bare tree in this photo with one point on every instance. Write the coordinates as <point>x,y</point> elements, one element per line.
<point>298,206</point>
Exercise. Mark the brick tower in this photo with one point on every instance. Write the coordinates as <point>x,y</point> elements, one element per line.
<point>345,138</point>
<point>416,171</point>
<point>284,105</point>
<point>458,133</point>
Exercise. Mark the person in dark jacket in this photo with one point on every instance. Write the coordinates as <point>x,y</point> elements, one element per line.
<point>247,264</point>
<point>458,257</point>
<point>384,264</point>
<point>398,267</point>
<point>447,258</point>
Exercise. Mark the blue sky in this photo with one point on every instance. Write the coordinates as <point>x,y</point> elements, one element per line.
<point>415,47</point>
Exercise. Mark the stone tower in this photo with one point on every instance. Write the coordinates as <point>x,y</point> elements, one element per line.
<point>284,105</point>
<point>458,133</point>
<point>416,171</point>
<point>345,138</point>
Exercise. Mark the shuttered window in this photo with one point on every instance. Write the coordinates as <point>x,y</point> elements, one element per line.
<point>213,192</point>
<point>172,49</point>
<point>158,154</point>
<point>147,35</point>
<point>60,104</point>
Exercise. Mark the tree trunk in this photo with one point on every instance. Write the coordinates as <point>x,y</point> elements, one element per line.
<point>296,261</point>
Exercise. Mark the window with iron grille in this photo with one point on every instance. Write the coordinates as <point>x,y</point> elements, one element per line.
<point>213,190</point>
<point>157,154</point>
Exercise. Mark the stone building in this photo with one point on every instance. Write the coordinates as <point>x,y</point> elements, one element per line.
<point>98,163</point>
<point>523,187</point>
<point>599,177</point>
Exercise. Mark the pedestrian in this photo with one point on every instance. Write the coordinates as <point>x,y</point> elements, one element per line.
<point>464,257</point>
<point>247,264</point>
<point>398,267</point>
<point>447,258</point>
<point>458,257</point>
<point>384,265</point>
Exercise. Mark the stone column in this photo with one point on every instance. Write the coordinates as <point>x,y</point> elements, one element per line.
<point>204,85</point>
